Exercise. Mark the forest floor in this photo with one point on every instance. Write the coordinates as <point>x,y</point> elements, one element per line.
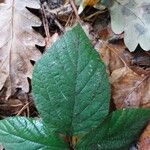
<point>129,72</point>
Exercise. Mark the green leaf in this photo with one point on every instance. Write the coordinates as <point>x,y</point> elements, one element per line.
<point>117,132</point>
<point>133,18</point>
<point>20,133</point>
<point>70,85</point>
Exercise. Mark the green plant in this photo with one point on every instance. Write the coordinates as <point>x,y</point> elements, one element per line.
<point>72,94</point>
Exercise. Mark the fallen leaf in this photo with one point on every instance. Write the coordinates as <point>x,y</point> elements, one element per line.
<point>144,142</point>
<point>17,44</point>
<point>130,89</point>
<point>115,56</point>
<point>132,17</point>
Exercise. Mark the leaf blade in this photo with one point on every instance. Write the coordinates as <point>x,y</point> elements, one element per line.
<point>71,66</point>
<point>118,131</point>
<point>20,133</point>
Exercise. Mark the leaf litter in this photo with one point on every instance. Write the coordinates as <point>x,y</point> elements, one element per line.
<point>129,79</point>
<point>17,44</point>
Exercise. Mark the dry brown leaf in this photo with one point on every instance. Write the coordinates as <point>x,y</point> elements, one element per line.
<point>129,89</point>
<point>144,142</point>
<point>114,56</point>
<point>17,44</point>
<point>130,83</point>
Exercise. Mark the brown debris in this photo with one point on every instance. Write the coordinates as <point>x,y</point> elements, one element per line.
<point>17,45</point>
<point>144,141</point>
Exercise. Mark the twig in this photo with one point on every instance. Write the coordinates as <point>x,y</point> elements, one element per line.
<point>23,108</point>
<point>69,19</point>
<point>59,25</point>
<point>45,24</point>
<point>51,14</point>
<point>94,14</point>
<point>65,9</point>
<point>75,10</point>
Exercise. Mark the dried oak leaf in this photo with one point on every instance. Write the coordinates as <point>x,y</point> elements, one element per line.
<point>144,142</point>
<point>130,89</point>
<point>132,17</point>
<point>17,44</point>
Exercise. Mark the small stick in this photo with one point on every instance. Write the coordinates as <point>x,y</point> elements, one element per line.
<point>59,25</point>
<point>75,10</point>
<point>96,13</point>
<point>66,9</point>
<point>52,14</point>
<point>23,108</point>
<point>45,24</point>
<point>69,18</point>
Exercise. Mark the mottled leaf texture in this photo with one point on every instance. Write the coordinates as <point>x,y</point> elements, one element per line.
<point>117,132</point>
<point>70,85</point>
<point>17,44</point>
<point>20,133</point>
<point>132,17</point>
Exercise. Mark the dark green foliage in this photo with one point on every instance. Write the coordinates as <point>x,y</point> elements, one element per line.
<point>117,132</point>
<point>70,85</point>
<point>72,94</point>
<point>20,133</point>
